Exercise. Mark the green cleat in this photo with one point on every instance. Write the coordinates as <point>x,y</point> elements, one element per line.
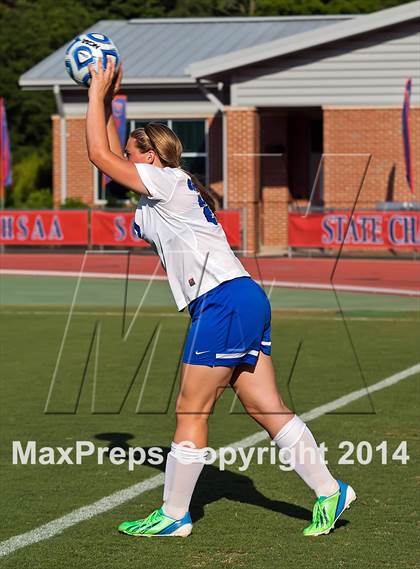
<point>328,509</point>
<point>158,524</point>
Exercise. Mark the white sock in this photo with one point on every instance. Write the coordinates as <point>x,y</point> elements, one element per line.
<point>183,467</point>
<point>308,458</point>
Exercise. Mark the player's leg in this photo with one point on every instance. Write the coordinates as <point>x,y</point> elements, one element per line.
<point>200,388</point>
<point>255,386</point>
<point>257,389</point>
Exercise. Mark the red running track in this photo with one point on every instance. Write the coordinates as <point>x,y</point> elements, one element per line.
<point>372,273</point>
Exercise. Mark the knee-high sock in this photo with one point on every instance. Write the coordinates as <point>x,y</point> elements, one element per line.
<point>308,464</point>
<point>183,467</point>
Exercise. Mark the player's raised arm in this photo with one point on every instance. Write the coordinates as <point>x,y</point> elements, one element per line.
<point>98,143</point>
<point>114,139</point>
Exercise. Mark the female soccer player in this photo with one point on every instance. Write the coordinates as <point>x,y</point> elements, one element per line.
<point>229,338</point>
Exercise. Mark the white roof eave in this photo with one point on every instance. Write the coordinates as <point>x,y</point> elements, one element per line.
<point>305,40</point>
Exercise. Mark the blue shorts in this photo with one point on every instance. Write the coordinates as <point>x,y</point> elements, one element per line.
<point>230,325</point>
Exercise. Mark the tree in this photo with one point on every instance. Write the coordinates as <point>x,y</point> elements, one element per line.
<point>32,29</point>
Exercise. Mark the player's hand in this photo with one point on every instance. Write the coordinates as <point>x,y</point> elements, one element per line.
<point>115,87</point>
<point>117,80</point>
<point>102,84</point>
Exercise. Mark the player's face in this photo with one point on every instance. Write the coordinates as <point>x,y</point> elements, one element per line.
<point>133,154</point>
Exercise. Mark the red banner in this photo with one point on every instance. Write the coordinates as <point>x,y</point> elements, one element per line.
<point>113,228</point>
<point>116,228</point>
<point>46,227</point>
<point>49,227</point>
<point>377,229</point>
<point>231,223</point>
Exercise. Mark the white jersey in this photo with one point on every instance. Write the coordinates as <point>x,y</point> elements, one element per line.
<point>191,244</point>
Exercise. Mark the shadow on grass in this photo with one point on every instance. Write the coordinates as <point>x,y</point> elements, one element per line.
<point>215,484</point>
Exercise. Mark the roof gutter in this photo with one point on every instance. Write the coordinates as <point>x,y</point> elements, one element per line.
<point>63,144</point>
<point>131,82</point>
<point>221,108</point>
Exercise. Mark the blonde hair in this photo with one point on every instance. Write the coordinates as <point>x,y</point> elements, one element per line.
<point>162,140</point>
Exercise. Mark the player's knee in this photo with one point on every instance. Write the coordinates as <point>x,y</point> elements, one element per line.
<point>193,410</point>
<point>191,422</point>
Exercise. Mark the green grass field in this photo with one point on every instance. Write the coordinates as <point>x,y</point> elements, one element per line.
<point>118,392</point>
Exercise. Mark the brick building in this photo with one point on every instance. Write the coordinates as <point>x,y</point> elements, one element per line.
<point>274,113</point>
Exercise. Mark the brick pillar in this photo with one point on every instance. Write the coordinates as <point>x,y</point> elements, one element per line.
<point>368,130</point>
<point>275,229</point>
<point>243,143</point>
<point>215,145</point>
<point>56,163</point>
<point>274,178</point>
<point>79,170</point>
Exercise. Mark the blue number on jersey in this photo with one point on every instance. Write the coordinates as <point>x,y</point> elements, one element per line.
<point>136,229</point>
<point>208,214</point>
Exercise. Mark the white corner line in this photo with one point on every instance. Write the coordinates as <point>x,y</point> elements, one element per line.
<point>57,526</point>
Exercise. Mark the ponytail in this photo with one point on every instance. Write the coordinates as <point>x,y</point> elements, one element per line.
<point>204,192</point>
<point>160,138</point>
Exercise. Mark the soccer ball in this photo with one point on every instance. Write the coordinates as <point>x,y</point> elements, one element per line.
<point>87,49</point>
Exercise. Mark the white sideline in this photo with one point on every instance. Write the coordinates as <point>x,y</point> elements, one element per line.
<point>58,525</point>
<point>272,283</point>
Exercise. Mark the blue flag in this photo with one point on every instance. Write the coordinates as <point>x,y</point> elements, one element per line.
<point>119,104</point>
<point>406,135</point>
<point>6,160</point>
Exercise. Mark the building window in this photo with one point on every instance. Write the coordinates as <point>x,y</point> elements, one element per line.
<point>305,143</point>
<point>194,137</point>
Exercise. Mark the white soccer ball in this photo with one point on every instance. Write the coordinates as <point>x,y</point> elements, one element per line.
<point>87,49</point>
